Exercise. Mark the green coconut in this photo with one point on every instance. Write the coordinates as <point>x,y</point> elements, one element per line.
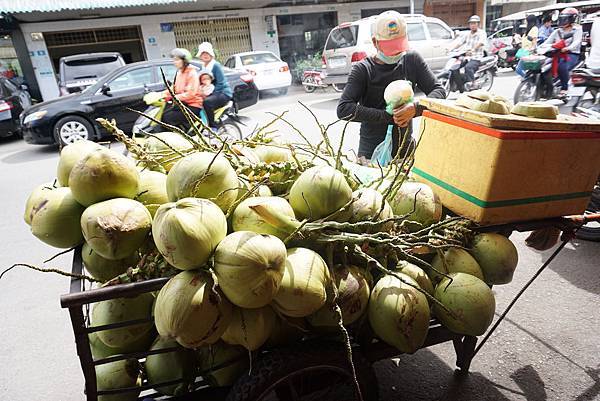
<point>245,219</point>
<point>169,366</point>
<point>273,153</point>
<point>191,310</point>
<point>303,289</point>
<point>418,201</point>
<point>469,299</point>
<point>105,269</point>
<point>121,310</point>
<point>366,207</point>
<point>54,217</point>
<point>35,198</point>
<point>399,314</point>
<point>318,192</point>
<point>203,175</point>
<point>101,350</point>
<point>152,191</point>
<point>166,147</point>
<point>187,232</point>
<point>250,328</point>
<point>456,260</point>
<point>249,267</point>
<point>353,299</point>
<point>70,156</point>
<point>419,275</point>
<point>103,174</point>
<point>116,228</point>
<point>497,256</point>
<point>221,364</point>
<point>118,375</point>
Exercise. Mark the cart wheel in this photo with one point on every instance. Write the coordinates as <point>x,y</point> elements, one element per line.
<point>312,371</point>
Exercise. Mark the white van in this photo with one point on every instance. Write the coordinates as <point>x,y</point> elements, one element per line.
<point>351,42</point>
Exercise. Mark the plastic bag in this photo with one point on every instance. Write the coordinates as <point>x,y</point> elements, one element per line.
<point>382,154</point>
<point>522,53</point>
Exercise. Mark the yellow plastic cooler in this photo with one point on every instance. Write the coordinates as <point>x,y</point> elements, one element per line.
<point>497,176</point>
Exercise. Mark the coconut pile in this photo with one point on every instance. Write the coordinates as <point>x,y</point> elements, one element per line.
<point>266,243</point>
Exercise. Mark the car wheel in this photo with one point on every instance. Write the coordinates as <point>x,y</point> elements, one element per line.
<point>283,91</point>
<point>71,129</point>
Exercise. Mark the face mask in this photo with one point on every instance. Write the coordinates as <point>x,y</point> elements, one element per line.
<point>389,59</point>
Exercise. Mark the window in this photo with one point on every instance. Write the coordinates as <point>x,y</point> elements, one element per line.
<point>230,63</point>
<point>169,70</point>
<point>438,32</point>
<point>342,37</point>
<point>132,79</point>
<point>259,58</point>
<point>416,31</point>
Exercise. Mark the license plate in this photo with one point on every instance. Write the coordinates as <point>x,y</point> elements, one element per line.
<point>337,62</point>
<point>268,72</point>
<point>5,115</point>
<point>577,90</point>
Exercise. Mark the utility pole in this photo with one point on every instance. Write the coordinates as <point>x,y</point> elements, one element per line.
<point>412,6</point>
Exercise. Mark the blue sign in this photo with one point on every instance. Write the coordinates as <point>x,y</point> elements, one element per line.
<point>151,39</point>
<point>41,52</point>
<point>166,27</point>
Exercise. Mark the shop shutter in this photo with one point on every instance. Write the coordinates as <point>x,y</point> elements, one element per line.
<point>228,36</point>
<point>104,35</point>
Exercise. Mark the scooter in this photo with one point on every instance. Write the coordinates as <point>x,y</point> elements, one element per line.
<point>586,89</point>
<point>226,119</point>
<point>313,79</point>
<point>484,76</point>
<point>506,54</point>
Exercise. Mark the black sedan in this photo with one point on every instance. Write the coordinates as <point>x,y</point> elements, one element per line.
<point>13,100</point>
<point>73,117</point>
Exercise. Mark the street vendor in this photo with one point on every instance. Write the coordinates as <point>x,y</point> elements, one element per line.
<point>362,99</point>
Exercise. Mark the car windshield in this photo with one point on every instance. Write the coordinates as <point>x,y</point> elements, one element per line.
<point>342,37</point>
<point>258,58</point>
<point>89,68</point>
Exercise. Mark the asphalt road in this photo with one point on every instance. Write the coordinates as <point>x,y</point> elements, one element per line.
<point>547,349</point>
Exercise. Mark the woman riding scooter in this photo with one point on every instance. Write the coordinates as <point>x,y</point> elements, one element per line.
<point>186,89</point>
<point>567,41</point>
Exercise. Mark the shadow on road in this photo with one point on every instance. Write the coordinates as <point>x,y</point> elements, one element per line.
<point>436,381</point>
<point>30,154</point>
<point>9,139</point>
<point>528,380</point>
<point>574,265</point>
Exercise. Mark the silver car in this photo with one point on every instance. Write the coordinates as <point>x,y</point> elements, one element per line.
<point>350,42</point>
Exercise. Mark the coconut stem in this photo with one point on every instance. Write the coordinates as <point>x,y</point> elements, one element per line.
<point>50,270</point>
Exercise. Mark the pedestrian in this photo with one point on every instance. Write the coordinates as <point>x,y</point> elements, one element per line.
<point>528,43</point>
<point>222,93</point>
<point>186,89</point>
<point>474,43</point>
<point>362,99</point>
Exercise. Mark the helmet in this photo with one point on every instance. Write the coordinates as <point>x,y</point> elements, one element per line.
<point>183,54</point>
<point>474,18</point>
<point>568,16</point>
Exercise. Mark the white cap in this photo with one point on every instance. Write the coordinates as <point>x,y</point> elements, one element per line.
<point>205,47</point>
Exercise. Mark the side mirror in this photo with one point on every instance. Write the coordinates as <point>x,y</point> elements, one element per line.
<point>105,89</point>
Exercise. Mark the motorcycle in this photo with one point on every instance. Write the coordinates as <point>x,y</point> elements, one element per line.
<point>226,119</point>
<point>484,76</point>
<point>506,54</point>
<point>313,79</point>
<point>585,90</point>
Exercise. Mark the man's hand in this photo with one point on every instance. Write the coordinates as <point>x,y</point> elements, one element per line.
<point>404,114</point>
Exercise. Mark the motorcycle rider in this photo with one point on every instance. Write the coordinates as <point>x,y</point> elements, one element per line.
<point>362,99</point>
<point>566,39</point>
<point>474,41</point>
<point>546,29</point>
<point>222,92</point>
<point>186,88</point>
<point>528,42</point>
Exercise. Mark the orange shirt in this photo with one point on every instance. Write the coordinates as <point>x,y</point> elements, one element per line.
<point>187,87</point>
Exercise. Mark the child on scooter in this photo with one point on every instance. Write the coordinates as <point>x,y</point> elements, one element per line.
<point>206,84</point>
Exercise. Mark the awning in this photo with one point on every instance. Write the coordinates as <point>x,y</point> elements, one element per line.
<point>28,6</point>
<point>551,7</point>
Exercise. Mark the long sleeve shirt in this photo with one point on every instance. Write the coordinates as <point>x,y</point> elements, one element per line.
<point>187,87</point>
<point>220,81</point>
<point>362,99</point>
<point>573,42</point>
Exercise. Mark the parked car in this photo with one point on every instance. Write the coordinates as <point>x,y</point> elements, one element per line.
<point>268,70</point>
<point>79,71</point>
<point>70,118</point>
<point>13,100</point>
<point>350,42</point>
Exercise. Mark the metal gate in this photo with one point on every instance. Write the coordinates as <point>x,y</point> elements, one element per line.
<point>228,36</point>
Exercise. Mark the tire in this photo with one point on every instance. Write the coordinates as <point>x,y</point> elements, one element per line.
<point>230,129</point>
<point>591,231</point>
<point>489,78</point>
<point>445,82</point>
<point>308,88</point>
<point>283,91</point>
<point>71,129</point>
<point>315,367</point>
<point>338,87</point>
<point>526,91</point>
<point>586,103</point>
